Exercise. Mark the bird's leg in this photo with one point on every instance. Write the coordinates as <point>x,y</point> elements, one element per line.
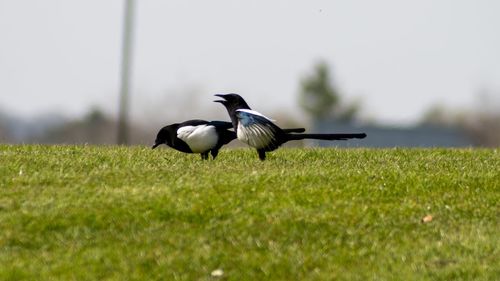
<point>204,156</point>
<point>214,153</point>
<point>262,154</point>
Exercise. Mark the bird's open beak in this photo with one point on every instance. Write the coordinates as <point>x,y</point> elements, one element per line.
<point>155,145</point>
<point>221,101</point>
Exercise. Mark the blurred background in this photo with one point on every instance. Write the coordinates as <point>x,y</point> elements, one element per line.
<point>408,73</point>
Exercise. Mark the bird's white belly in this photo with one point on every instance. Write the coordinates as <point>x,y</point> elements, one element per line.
<point>199,138</point>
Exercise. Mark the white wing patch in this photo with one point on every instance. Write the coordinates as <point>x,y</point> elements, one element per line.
<point>257,135</point>
<point>200,138</point>
<point>255,113</point>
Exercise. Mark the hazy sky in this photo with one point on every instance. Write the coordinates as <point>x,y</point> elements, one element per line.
<point>397,57</point>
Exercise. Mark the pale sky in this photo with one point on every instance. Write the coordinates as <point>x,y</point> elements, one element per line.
<point>397,57</point>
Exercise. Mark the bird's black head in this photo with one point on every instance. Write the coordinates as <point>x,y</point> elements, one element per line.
<point>164,135</point>
<point>232,102</point>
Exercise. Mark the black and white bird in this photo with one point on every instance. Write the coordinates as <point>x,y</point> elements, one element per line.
<point>200,136</point>
<point>259,131</point>
<point>196,136</point>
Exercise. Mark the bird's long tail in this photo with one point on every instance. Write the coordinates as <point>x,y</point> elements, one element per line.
<point>294,130</point>
<point>325,136</point>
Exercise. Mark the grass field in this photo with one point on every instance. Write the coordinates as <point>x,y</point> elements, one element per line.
<point>132,213</point>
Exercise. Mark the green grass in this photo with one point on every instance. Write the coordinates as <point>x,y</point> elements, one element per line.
<point>132,213</point>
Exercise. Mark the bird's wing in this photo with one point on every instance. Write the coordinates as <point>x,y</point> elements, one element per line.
<point>255,113</point>
<point>194,122</point>
<point>256,129</point>
<point>221,124</point>
<point>199,138</point>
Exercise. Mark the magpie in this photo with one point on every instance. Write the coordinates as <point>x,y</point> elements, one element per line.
<point>259,131</point>
<point>199,136</point>
<point>196,136</point>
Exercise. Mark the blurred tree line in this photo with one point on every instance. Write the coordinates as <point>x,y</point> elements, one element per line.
<point>318,97</point>
<point>321,100</point>
<point>481,122</point>
<point>95,127</point>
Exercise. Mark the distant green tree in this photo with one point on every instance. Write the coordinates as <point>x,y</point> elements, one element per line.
<point>317,95</point>
<point>319,98</point>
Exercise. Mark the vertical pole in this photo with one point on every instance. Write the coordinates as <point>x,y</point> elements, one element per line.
<point>123,134</point>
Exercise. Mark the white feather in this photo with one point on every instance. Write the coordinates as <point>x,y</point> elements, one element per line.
<point>258,136</point>
<point>255,113</point>
<point>199,138</point>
